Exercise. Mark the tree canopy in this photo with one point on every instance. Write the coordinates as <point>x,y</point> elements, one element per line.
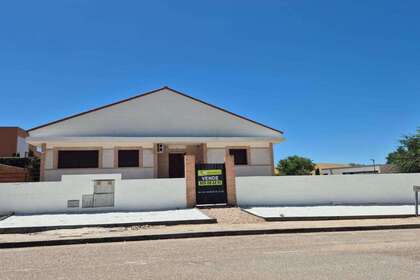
<point>407,156</point>
<point>295,165</point>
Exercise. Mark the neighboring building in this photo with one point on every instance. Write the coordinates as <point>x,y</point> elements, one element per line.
<point>147,136</point>
<point>321,166</point>
<point>364,169</point>
<point>13,142</point>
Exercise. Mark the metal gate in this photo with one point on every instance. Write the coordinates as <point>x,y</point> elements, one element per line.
<point>210,183</point>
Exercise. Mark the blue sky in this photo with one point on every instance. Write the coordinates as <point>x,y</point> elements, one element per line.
<point>341,78</point>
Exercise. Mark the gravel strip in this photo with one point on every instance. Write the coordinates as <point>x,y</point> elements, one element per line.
<point>231,215</point>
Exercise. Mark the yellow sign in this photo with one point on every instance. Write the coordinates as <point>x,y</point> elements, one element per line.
<point>210,183</point>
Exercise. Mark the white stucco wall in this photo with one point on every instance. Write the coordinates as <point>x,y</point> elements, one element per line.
<point>339,189</point>
<point>51,197</point>
<point>216,155</point>
<point>108,158</point>
<point>151,194</point>
<point>148,158</point>
<point>260,156</point>
<point>49,159</point>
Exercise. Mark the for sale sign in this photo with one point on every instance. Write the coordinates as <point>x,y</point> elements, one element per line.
<point>210,179</point>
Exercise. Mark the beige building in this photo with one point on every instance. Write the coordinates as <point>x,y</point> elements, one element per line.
<point>322,165</point>
<point>147,136</point>
<point>362,169</point>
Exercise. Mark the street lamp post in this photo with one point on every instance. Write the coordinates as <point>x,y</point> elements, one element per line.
<point>374,167</point>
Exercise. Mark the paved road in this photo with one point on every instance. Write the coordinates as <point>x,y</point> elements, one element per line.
<point>349,255</point>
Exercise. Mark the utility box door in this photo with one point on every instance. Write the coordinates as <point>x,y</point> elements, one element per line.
<point>103,186</point>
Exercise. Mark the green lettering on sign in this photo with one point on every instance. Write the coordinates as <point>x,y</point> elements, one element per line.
<point>209,172</point>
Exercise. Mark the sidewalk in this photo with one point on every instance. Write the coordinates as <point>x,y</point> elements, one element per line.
<point>135,233</point>
<point>43,222</point>
<point>332,212</point>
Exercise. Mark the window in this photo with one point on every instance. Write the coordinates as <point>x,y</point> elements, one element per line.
<point>78,159</point>
<point>128,158</point>
<point>240,156</point>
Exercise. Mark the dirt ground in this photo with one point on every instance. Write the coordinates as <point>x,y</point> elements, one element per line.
<point>231,215</point>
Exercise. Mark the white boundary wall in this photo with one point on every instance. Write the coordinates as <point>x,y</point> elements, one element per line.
<point>334,189</point>
<point>130,195</point>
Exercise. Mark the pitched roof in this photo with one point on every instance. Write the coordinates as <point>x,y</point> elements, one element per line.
<point>331,165</point>
<point>148,93</point>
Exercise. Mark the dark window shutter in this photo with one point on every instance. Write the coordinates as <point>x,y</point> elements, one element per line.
<point>78,159</point>
<point>128,158</point>
<point>240,156</point>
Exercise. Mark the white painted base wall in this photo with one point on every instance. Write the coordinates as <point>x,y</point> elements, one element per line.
<point>163,194</point>
<point>130,195</point>
<point>151,194</point>
<point>316,190</point>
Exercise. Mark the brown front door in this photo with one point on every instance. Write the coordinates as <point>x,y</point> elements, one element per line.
<point>176,165</point>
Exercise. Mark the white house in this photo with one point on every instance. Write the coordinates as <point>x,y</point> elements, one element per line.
<point>363,169</point>
<point>147,136</point>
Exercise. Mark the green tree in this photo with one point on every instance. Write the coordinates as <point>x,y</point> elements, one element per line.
<point>407,156</point>
<point>295,165</point>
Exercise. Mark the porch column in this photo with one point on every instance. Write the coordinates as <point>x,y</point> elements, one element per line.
<point>42,162</point>
<point>190,180</point>
<point>273,167</point>
<point>230,180</point>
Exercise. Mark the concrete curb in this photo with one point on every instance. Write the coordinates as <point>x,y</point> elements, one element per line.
<point>22,244</point>
<point>162,223</point>
<point>328,218</point>
<point>4,216</point>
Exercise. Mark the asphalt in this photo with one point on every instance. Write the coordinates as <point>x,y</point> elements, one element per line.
<point>393,254</point>
<point>105,235</point>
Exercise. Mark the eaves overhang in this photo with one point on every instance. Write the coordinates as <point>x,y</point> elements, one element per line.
<point>100,139</point>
